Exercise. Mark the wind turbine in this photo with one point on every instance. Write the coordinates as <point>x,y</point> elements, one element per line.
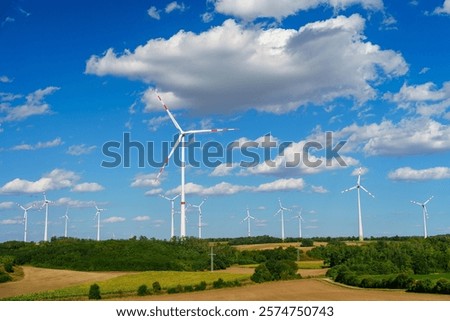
<point>45,203</point>
<point>181,139</point>
<point>172,213</point>
<point>97,214</point>
<point>25,220</point>
<point>300,220</point>
<point>424,213</point>
<point>358,186</point>
<point>248,218</point>
<point>199,207</point>
<point>281,211</point>
<point>66,217</point>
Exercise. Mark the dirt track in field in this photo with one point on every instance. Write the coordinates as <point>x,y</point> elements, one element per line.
<point>307,289</point>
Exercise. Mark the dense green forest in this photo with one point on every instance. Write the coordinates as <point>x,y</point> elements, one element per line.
<point>390,264</point>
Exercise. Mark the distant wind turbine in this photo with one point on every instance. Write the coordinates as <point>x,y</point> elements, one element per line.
<point>66,218</point>
<point>200,224</point>
<point>181,139</point>
<point>300,220</point>
<point>248,218</point>
<point>45,203</point>
<point>281,211</point>
<point>358,186</point>
<point>25,220</point>
<point>172,214</point>
<point>424,213</point>
<point>97,215</point>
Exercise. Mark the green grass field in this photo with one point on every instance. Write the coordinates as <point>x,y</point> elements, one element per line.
<point>128,284</point>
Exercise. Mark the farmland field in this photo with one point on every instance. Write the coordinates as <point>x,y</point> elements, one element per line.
<point>63,282</point>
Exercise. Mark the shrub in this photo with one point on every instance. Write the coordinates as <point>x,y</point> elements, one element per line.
<point>442,286</point>
<point>306,243</point>
<point>5,277</point>
<point>142,290</point>
<point>9,267</point>
<point>156,287</point>
<point>220,283</point>
<point>261,274</point>
<point>200,287</point>
<point>421,286</point>
<point>94,292</point>
<point>402,281</point>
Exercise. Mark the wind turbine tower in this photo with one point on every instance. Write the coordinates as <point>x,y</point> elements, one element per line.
<point>46,203</point>
<point>97,214</point>
<point>25,220</point>
<point>424,213</point>
<point>200,224</point>
<point>358,186</point>
<point>181,140</point>
<point>248,218</point>
<point>281,211</point>
<point>172,213</point>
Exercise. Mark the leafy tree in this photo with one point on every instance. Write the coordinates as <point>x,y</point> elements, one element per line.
<point>94,292</point>
<point>142,290</point>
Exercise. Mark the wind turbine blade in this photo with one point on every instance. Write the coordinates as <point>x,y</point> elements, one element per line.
<point>278,212</point>
<point>417,203</point>
<point>174,121</point>
<point>199,131</point>
<point>166,161</point>
<point>349,189</point>
<point>428,200</point>
<point>363,188</point>
<point>426,211</point>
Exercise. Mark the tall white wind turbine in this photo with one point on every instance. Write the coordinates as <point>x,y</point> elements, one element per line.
<point>97,215</point>
<point>45,204</point>
<point>281,211</point>
<point>172,213</point>
<point>248,218</point>
<point>424,213</point>
<point>358,186</point>
<point>181,139</point>
<point>25,220</point>
<point>200,223</point>
<point>300,220</point>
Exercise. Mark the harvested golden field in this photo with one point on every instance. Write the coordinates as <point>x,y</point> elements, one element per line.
<point>307,289</point>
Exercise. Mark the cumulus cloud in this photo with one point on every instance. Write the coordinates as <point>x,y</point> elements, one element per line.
<point>11,221</point>
<point>153,12</point>
<point>114,219</point>
<point>87,187</point>
<point>175,6</point>
<point>426,99</point>
<point>6,205</point>
<point>5,79</point>
<point>234,68</point>
<point>225,188</point>
<point>249,10</point>
<point>445,9</point>
<point>40,145</point>
<point>34,105</point>
<point>410,174</point>
<point>67,201</point>
<point>141,218</point>
<point>77,150</point>
<point>55,180</point>
<point>146,180</point>
<point>319,189</point>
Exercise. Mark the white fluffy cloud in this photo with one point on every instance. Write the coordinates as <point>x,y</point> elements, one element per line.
<point>445,9</point>
<point>55,180</point>
<point>77,150</point>
<point>34,105</point>
<point>87,187</point>
<point>146,180</point>
<point>224,188</point>
<point>233,68</point>
<point>153,12</point>
<point>6,205</point>
<point>410,174</point>
<point>114,219</point>
<point>280,9</point>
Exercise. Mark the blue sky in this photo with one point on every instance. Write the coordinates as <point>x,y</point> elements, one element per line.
<point>77,75</point>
